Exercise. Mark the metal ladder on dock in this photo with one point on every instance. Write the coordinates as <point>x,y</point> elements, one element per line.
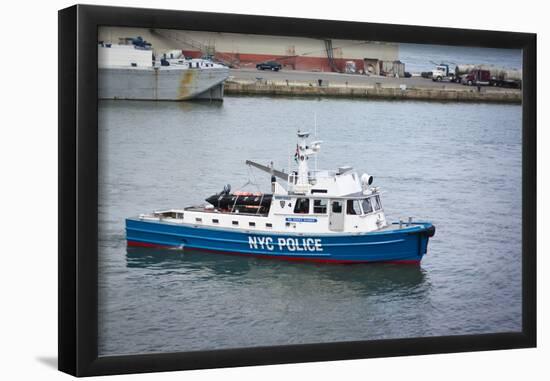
<point>330,56</point>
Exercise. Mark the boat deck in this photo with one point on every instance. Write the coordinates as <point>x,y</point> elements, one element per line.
<point>221,211</point>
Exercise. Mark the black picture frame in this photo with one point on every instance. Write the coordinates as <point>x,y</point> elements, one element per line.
<point>78,190</point>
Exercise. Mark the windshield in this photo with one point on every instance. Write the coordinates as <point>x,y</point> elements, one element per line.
<point>367,206</point>
<point>353,207</point>
<point>377,203</point>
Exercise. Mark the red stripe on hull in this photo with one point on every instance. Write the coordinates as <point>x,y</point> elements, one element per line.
<point>279,257</point>
<point>249,60</point>
<point>146,244</point>
<point>405,262</point>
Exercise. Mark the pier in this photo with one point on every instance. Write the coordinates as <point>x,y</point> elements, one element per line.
<point>296,83</point>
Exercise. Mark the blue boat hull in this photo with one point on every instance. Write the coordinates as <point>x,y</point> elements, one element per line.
<point>407,244</point>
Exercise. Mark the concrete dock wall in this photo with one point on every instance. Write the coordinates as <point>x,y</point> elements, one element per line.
<point>378,91</point>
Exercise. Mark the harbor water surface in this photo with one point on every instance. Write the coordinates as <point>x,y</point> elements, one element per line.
<point>456,165</point>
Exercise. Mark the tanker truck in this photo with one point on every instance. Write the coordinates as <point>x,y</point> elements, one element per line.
<point>488,75</point>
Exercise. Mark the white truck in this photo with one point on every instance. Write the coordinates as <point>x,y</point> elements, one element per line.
<point>444,72</point>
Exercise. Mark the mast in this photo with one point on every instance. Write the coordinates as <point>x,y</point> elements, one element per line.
<point>303,167</point>
<point>299,182</point>
<point>315,134</point>
<point>303,152</point>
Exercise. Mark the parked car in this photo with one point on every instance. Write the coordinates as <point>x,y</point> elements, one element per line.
<point>269,65</point>
<point>426,74</point>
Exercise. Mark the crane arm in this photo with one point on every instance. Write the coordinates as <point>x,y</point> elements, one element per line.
<point>280,174</point>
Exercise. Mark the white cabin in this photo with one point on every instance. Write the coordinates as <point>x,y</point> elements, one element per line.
<point>128,56</point>
<point>318,202</point>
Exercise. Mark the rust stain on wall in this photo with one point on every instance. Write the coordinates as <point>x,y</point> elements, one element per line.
<point>186,81</point>
<point>156,85</point>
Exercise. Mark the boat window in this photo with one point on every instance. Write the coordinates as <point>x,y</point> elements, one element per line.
<point>302,206</point>
<point>320,206</point>
<point>336,207</point>
<point>179,216</point>
<point>235,222</point>
<point>353,207</point>
<point>252,224</point>
<point>268,225</point>
<point>198,219</point>
<point>367,206</point>
<point>215,221</point>
<point>377,203</point>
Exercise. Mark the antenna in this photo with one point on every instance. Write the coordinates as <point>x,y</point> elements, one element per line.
<point>315,127</point>
<point>289,169</point>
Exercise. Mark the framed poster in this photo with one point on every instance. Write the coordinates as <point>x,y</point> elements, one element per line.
<point>241,190</point>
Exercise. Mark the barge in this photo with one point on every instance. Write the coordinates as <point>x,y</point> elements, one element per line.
<point>130,71</point>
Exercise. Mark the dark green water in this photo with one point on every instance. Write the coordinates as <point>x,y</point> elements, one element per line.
<point>457,165</point>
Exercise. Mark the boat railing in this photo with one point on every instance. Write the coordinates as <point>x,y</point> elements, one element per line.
<point>202,209</point>
<point>320,174</point>
<point>312,175</point>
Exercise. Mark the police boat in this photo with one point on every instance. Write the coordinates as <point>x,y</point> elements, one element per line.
<point>324,216</point>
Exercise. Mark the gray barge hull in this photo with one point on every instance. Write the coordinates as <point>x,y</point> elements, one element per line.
<point>161,83</point>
